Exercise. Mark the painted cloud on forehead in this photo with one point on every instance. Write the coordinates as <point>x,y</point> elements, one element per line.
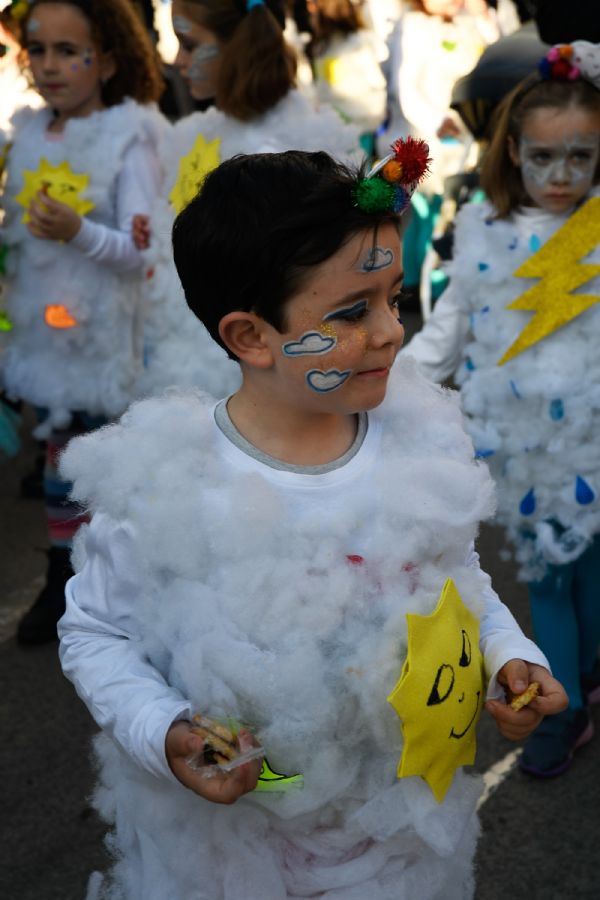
<point>254,611</point>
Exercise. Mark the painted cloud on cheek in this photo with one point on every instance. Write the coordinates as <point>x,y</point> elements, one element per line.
<point>378,258</point>
<point>323,382</point>
<point>311,343</point>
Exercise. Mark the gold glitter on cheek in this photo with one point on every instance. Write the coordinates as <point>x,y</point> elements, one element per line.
<point>327,329</point>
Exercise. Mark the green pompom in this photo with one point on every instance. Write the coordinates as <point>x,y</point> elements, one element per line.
<point>374,195</point>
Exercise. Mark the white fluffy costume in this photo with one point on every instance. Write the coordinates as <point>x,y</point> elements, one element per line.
<point>92,364</point>
<point>536,418</point>
<point>178,349</point>
<point>211,581</point>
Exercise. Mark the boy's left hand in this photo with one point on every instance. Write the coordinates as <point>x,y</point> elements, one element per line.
<point>516,676</point>
<point>51,220</point>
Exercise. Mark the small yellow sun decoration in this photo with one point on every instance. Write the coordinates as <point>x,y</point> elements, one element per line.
<point>193,169</point>
<point>59,182</point>
<point>557,264</point>
<point>439,695</point>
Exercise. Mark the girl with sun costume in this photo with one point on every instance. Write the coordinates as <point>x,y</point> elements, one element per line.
<point>77,171</point>
<point>518,327</point>
<point>285,567</point>
<point>238,67</point>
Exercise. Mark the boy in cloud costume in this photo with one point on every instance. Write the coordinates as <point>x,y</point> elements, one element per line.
<point>255,558</point>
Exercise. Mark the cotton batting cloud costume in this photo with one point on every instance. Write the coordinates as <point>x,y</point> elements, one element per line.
<point>210,580</point>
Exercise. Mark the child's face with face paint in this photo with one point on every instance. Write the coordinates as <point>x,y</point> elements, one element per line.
<point>65,63</point>
<point>198,55</point>
<point>342,330</point>
<point>558,155</point>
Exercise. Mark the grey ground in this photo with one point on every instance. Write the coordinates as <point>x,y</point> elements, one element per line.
<point>539,839</point>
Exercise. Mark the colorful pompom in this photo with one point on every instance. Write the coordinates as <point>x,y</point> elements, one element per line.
<point>565,52</point>
<point>401,199</point>
<point>374,195</point>
<point>557,64</point>
<point>392,171</point>
<point>413,156</point>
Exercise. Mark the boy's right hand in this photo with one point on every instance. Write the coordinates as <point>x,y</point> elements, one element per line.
<point>140,231</point>
<point>181,743</point>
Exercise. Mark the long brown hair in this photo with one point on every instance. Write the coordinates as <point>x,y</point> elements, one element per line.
<point>332,18</point>
<point>257,67</point>
<point>500,177</point>
<point>117,29</point>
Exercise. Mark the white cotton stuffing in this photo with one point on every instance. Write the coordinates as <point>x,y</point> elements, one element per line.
<point>536,419</point>
<point>251,612</point>
<point>178,349</point>
<point>92,366</point>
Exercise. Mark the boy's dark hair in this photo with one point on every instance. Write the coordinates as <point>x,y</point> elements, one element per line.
<point>258,226</point>
<point>500,178</point>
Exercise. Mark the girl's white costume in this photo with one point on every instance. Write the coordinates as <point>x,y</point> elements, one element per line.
<point>91,365</point>
<point>536,419</point>
<point>178,349</point>
<point>210,584</point>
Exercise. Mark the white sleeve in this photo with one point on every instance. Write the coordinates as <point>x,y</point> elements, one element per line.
<point>102,654</point>
<point>137,184</point>
<point>438,346</point>
<point>500,637</point>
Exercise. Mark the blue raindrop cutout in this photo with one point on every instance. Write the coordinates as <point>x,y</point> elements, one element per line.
<point>469,364</point>
<point>527,504</point>
<point>557,410</point>
<point>515,390</point>
<point>583,492</point>
<point>482,266</point>
<point>483,454</point>
<point>534,243</point>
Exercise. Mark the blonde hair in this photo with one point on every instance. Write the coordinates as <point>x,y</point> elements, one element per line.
<point>257,67</point>
<point>500,177</point>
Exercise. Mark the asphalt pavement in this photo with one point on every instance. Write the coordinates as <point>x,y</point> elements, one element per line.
<point>539,838</point>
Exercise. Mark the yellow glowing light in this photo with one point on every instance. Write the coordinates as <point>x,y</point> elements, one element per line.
<point>59,182</point>
<point>58,316</point>
<point>557,265</point>
<point>439,695</point>
<point>193,169</point>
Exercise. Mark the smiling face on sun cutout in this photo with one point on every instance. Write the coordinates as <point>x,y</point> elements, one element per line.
<point>342,331</point>
<point>440,692</point>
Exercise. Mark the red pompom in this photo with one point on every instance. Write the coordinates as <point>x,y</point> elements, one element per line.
<point>413,156</point>
<point>561,69</point>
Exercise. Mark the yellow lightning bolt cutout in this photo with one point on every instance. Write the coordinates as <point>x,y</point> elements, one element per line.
<point>440,692</point>
<point>556,263</point>
<point>193,169</point>
<point>60,182</point>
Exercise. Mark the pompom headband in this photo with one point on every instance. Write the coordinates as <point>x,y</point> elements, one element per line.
<point>391,183</point>
<point>569,62</point>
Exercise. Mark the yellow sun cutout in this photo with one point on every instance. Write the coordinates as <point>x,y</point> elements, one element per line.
<point>439,695</point>
<point>193,169</point>
<point>59,182</point>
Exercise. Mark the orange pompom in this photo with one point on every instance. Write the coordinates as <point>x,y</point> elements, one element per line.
<point>565,52</point>
<point>392,171</point>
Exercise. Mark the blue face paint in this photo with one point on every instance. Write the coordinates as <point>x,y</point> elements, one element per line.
<point>377,259</point>
<point>311,343</point>
<point>349,313</point>
<point>324,382</point>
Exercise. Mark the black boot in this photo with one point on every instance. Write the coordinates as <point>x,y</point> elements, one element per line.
<point>38,625</point>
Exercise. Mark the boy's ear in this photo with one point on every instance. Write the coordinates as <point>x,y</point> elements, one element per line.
<point>513,151</point>
<point>244,334</point>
